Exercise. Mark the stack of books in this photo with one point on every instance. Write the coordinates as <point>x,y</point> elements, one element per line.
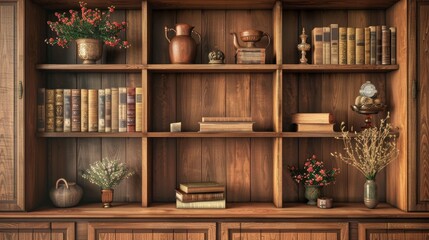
<point>250,56</point>
<point>226,124</point>
<point>201,195</point>
<point>89,110</point>
<point>313,122</point>
<point>354,45</point>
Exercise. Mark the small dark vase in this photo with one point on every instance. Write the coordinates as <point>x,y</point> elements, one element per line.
<point>183,47</point>
<point>312,192</point>
<point>370,197</point>
<point>107,197</point>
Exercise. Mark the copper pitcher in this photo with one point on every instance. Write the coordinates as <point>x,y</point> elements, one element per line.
<point>183,47</point>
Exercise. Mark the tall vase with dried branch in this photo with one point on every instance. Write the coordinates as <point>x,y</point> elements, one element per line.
<point>369,151</point>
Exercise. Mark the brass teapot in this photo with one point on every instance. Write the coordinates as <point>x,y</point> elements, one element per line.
<point>250,38</point>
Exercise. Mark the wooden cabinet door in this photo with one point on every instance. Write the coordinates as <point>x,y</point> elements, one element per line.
<point>394,231</point>
<point>11,105</point>
<point>418,193</point>
<point>282,230</point>
<point>37,231</point>
<point>152,231</point>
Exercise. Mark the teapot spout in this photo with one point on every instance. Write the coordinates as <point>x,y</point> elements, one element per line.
<point>236,43</point>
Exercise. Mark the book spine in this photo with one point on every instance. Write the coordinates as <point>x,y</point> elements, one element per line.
<point>226,119</point>
<point>67,110</point>
<point>373,42</point>
<point>360,46</point>
<point>122,109</point>
<point>203,204</point>
<point>342,46</point>
<point>84,110</point>
<point>92,110</point>
<point>50,110</point>
<point>334,43</point>
<point>41,109</point>
<point>108,109</point>
<point>351,45</point>
<point>392,45</point>
<point>59,110</point>
<point>131,109</point>
<point>385,46</point>
<point>101,110</point>
<point>75,105</point>
<point>115,109</point>
<point>317,39</point>
<point>378,42</point>
<point>326,45</point>
<point>367,46</point>
<point>313,118</point>
<point>139,109</point>
<point>196,197</point>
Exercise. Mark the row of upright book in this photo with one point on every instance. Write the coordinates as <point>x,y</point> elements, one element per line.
<point>201,195</point>
<point>374,45</point>
<point>89,110</point>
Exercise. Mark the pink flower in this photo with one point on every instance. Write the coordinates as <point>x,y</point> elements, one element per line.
<point>319,178</point>
<point>323,172</point>
<point>310,169</point>
<point>313,157</point>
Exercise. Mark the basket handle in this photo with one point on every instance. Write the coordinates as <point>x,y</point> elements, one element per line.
<point>63,180</point>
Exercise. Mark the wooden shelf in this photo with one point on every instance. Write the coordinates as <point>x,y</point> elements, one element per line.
<point>312,68</point>
<point>233,210</point>
<point>311,134</point>
<point>212,67</point>
<point>212,4</point>
<point>211,134</point>
<point>66,4</point>
<point>90,135</point>
<point>91,67</point>
<point>339,4</point>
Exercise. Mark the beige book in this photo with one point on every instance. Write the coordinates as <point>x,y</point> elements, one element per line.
<point>84,110</point>
<point>321,118</point>
<point>108,110</point>
<point>139,108</point>
<point>201,204</point>
<point>351,45</point>
<point>226,119</point>
<point>226,126</point>
<point>367,46</point>
<point>67,110</point>
<point>115,110</point>
<point>317,40</point>
<point>360,46</point>
<point>326,45</point>
<point>392,45</point>
<point>334,43</point>
<point>342,46</point>
<point>122,109</point>
<point>101,110</point>
<point>313,127</point>
<point>92,110</point>
<point>385,45</point>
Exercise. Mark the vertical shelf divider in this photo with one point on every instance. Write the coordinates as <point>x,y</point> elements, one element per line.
<point>277,107</point>
<point>146,160</point>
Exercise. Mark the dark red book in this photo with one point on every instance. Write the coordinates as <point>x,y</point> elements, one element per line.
<point>131,109</point>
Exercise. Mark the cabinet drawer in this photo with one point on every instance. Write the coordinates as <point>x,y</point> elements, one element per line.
<point>38,230</point>
<point>373,231</point>
<point>282,230</point>
<point>151,230</point>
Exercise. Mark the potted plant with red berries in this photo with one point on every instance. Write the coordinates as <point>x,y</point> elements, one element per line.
<point>90,28</point>
<point>314,176</point>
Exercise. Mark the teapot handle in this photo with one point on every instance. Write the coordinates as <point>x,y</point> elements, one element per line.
<point>59,180</point>
<point>166,30</point>
<point>199,36</point>
<point>269,38</point>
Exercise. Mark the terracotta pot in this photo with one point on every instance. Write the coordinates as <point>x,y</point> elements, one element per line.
<point>66,194</point>
<point>89,50</point>
<point>107,197</point>
<point>183,47</point>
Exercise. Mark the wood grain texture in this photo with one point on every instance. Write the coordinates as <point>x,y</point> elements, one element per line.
<point>348,4</point>
<point>261,182</point>
<point>337,68</point>
<point>214,68</point>
<point>212,4</point>
<point>397,90</point>
<point>164,169</point>
<point>11,118</point>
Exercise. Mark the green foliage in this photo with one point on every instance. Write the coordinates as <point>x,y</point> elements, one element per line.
<point>107,173</point>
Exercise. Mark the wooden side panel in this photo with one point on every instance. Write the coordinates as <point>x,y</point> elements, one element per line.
<point>395,231</point>
<point>420,196</point>
<point>11,166</point>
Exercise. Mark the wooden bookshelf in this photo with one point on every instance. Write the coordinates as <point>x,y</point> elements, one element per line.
<point>313,68</point>
<point>89,135</point>
<point>212,134</point>
<point>91,67</point>
<point>210,68</point>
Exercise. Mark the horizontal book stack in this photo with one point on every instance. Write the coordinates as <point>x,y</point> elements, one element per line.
<point>313,122</point>
<point>89,110</point>
<point>226,124</point>
<point>374,45</point>
<point>250,56</point>
<point>201,195</point>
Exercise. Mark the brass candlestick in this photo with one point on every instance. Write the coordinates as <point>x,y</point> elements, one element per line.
<point>303,47</point>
